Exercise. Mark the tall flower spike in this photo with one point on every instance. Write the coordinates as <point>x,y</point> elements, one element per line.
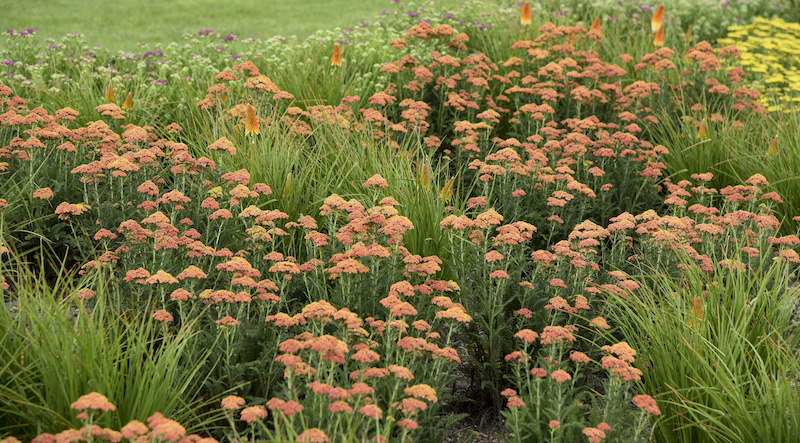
<point>426,178</point>
<point>110,97</point>
<point>773,147</point>
<point>128,103</point>
<point>525,17</point>
<point>336,58</point>
<point>702,133</point>
<point>251,123</point>
<point>697,313</point>
<point>657,21</point>
<point>687,37</point>
<point>447,191</point>
<point>659,38</point>
<point>288,188</point>
<point>596,26</point>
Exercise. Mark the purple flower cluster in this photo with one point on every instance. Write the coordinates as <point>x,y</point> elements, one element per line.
<point>13,33</point>
<point>152,53</point>
<point>206,32</point>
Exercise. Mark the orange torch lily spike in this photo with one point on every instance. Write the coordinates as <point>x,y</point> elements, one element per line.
<point>658,19</point>
<point>447,191</point>
<point>288,188</point>
<point>336,58</point>
<point>596,27</point>
<point>697,313</point>
<point>688,36</point>
<point>525,17</point>
<point>251,123</point>
<point>658,40</point>
<point>773,147</point>
<point>702,133</point>
<point>425,179</point>
<point>128,103</point>
<point>110,97</point>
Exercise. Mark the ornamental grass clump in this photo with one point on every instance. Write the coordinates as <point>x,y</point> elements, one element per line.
<point>720,280</point>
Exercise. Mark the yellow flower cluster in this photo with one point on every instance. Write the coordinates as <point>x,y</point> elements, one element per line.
<point>770,50</point>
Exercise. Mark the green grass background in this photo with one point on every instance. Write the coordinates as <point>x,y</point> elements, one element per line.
<point>121,25</point>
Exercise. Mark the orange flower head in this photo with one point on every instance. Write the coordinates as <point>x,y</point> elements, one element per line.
<point>110,97</point>
<point>251,123</point>
<point>93,400</point>
<point>687,37</point>
<point>658,40</point>
<point>447,191</point>
<point>657,21</point>
<point>336,58</point>
<point>697,309</point>
<point>288,188</point>
<point>702,133</point>
<point>596,26</point>
<point>773,147</point>
<point>128,103</point>
<point>525,17</point>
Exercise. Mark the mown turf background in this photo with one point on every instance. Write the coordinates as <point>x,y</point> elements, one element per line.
<point>121,25</point>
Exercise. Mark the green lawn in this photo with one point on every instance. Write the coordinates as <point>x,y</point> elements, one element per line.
<point>121,25</point>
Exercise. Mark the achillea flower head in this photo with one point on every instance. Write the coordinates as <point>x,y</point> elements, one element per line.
<point>527,335</point>
<point>134,429</point>
<point>166,429</point>
<point>579,357</point>
<point>340,406</point>
<point>64,210</point>
<point>366,356</point>
<point>162,315</point>
<point>161,277</point>
<point>646,403</point>
<point>410,406</point>
<point>253,413</point>
<point>525,15</point>
<point>372,411</point>
<point>93,400</point>
<point>595,435</point>
<point>422,391</point>
<point>336,57</point>
<point>515,402</point>
<point>508,392</point>
<point>560,376</point>
<point>401,372</point>
<point>227,321</point>
<point>600,322</point>
<point>233,402</point>
<point>408,424</point>
<point>43,193</point>
<point>622,350</point>
<point>291,407</point>
<point>376,180</point>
